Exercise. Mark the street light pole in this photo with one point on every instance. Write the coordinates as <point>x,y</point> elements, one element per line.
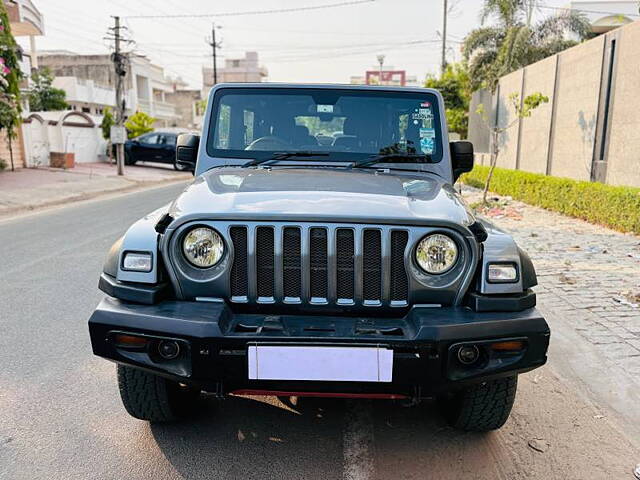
<point>117,60</point>
<point>443,64</point>
<point>380,61</point>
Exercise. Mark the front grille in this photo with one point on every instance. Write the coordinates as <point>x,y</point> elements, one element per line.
<point>345,265</point>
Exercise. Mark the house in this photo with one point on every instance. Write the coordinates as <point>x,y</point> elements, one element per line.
<point>90,80</point>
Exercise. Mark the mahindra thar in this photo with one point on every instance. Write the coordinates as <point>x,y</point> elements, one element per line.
<point>322,250</point>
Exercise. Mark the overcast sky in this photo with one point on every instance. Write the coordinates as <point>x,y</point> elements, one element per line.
<point>327,45</point>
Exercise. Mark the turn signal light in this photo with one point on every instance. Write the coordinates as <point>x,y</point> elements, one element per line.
<point>129,341</point>
<point>508,346</point>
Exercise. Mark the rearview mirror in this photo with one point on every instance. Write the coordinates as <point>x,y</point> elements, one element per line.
<point>461,158</point>
<point>187,151</point>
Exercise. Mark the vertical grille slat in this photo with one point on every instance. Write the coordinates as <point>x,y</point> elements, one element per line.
<point>291,263</point>
<point>318,263</point>
<point>265,262</point>
<point>343,265</point>
<point>345,253</point>
<point>239,278</point>
<point>399,280</point>
<point>372,266</point>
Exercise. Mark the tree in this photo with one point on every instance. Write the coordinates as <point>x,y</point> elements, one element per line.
<point>10,77</point>
<point>514,41</point>
<point>456,89</point>
<point>138,124</point>
<point>44,97</point>
<point>107,122</point>
<point>522,110</point>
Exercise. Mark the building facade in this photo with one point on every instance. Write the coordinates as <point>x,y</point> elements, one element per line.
<point>90,80</point>
<point>27,23</point>
<point>244,70</point>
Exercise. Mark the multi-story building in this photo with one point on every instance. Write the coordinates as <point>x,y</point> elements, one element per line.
<point>26,22</point>
<point>246,69</point>
<point>188,104</point>
<point>89,81</point>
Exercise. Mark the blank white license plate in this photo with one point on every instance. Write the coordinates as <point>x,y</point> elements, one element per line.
<point>337,364</point>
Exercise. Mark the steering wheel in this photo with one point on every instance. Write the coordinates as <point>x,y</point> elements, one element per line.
<point>268,142</point>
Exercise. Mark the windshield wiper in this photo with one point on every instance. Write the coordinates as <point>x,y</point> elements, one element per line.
<point>384,158</point>
<point>284,156</point>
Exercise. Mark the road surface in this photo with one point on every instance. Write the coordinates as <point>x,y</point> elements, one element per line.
<point>61,417</point>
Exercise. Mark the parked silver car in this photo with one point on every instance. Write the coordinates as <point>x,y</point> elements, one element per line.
<point>321,250</point>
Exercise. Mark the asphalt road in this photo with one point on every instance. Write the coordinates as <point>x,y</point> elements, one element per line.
<point>61,417</point>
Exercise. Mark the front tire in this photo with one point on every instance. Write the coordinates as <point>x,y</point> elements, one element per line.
<point>482,407</point>
<point>149,397</point>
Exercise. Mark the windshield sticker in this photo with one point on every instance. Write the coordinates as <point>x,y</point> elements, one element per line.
<point>427,140</point>
<point>324,108</point>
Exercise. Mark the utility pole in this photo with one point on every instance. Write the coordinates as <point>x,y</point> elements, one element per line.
<point>214,46</point>
<point>119,64</point>
<point>443,64</point>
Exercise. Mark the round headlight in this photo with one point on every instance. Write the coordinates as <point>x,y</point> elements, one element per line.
<point>436,253</point>
<point>203,247</point>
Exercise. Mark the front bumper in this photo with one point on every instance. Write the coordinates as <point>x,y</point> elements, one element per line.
<point>214,343</point>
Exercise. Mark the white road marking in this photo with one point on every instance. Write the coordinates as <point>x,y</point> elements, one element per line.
<point>358,440</point>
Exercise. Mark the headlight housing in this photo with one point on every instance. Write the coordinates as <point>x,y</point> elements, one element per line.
<point>436,253</point>
<point>203,247</point>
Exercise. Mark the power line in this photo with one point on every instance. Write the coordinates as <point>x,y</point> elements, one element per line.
<point>256,12</point>
<point>599,12</point>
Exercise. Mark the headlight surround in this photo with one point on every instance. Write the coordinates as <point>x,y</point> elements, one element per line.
<point>202,247</point>
<point>436,253</point>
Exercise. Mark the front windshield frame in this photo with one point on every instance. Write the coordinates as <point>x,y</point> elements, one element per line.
<point>333,156</point>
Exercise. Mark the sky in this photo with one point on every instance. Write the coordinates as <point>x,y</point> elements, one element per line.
<point>324,45</point>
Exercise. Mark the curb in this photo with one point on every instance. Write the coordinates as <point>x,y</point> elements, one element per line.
<point>12,212</point>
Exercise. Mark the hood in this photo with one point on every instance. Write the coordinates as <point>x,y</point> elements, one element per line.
<point>318,194</point>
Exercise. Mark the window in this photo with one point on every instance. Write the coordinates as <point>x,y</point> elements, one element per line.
<point>170,140</point>
<point>344,124</point>
<point>152,139</point>
<point>235,63</point>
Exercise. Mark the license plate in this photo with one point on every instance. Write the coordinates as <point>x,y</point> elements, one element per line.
<point>318,363</point>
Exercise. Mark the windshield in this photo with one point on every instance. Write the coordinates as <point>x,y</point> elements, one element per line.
<point>345,125</point>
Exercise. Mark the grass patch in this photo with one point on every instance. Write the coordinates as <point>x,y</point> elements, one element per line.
<point>615,207</point>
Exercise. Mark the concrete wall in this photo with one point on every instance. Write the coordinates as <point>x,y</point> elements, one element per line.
<point>534,130</point>
<point>506,118</point>
<point>579,73</point>
<point>590,129</point>
<point>623,155</point>
<point>477,128</point>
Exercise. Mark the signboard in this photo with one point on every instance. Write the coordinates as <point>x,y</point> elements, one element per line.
<point>118,135</point>
<point>387,77</point>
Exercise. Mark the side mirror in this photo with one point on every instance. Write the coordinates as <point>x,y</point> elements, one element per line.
<point>461,158</point>
<point>187,151</point>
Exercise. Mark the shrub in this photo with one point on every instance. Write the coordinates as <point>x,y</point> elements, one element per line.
<point>615,207</point>
<point>3,165</point>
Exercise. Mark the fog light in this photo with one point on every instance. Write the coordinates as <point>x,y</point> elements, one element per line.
<point>168,349</point>
<point>502,273</point>
<point>137,262</point>
<point>468,354</point>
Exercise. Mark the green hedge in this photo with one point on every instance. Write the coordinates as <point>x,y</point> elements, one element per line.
<point>615,207</point>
